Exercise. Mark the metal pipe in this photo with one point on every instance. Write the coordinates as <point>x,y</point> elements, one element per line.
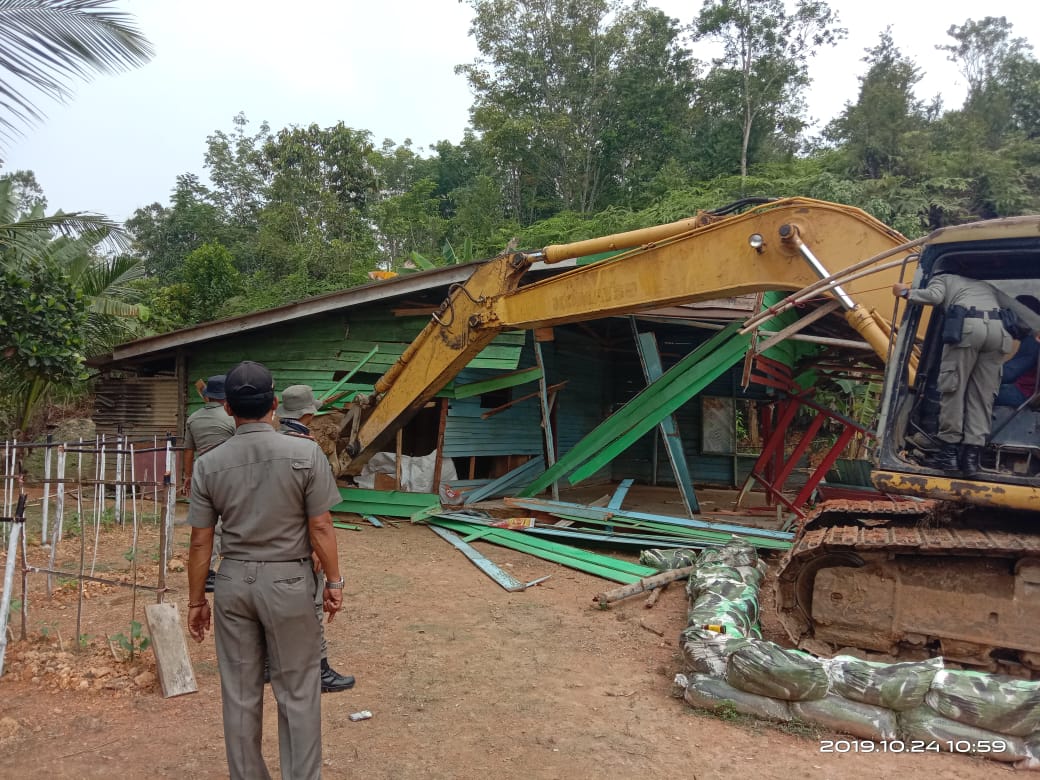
<point>789,233</point>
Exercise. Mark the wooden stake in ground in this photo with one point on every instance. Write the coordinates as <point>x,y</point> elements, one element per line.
<point>645,584</point>
<point>171,651</point>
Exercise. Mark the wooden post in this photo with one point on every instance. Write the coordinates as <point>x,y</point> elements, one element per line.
<point>438,463</point>
<point>171,652</point>
<point>540,335</point>
<point>397,460</point>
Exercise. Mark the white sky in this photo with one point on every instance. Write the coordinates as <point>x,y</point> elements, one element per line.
<point>380,65</point>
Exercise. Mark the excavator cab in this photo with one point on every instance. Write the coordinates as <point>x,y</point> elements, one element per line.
<point>1006,255</point>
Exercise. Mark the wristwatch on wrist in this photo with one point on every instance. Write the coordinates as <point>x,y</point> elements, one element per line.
<point>905,293</point>
<point>334,584</point>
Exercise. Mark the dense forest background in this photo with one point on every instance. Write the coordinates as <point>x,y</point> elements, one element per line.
<point>588,117</point>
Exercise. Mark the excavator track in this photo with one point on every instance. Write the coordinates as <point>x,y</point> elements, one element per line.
<point>909,580</point>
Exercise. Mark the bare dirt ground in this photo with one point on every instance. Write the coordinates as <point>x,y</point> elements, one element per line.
<point>464,680</point>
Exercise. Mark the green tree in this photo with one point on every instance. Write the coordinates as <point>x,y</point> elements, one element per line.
<point>765,61</point>
<point>548,86</point>
<point>165,235</point>
<point>882,130</point>
<point>60,298</point>
<point>208,280</point>
<point>45,45</point>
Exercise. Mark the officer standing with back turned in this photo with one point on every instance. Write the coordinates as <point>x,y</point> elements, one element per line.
<point>273,493</point>
<point>974,345</point>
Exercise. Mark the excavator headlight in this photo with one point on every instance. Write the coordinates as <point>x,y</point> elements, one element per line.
<point>756,242</point>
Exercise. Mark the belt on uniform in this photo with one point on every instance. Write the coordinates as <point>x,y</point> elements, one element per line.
<point>992,314</point>
<point>243,560</point>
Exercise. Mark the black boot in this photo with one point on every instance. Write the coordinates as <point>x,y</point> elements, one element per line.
<point>332,681</point>
<point>970,459</point>
<point>945,460</point>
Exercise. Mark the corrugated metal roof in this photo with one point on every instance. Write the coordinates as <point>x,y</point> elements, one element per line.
<point>406,284</point>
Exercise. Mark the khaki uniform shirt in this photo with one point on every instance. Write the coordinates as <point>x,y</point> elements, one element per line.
<point>207,427</point>
<point>264,486</point>
<point>953,290</point>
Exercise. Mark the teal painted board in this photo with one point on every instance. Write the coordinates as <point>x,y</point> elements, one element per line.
<point>646,346</point>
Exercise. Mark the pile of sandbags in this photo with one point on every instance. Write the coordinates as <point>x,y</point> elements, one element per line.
<point>911,707</point>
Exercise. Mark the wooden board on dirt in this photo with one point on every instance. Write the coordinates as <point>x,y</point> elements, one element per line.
<point>172,663</point>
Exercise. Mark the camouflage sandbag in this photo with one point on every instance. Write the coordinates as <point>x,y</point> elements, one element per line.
<point>734,553</point>
<point>989,701</point>
<point>894,686</point>
<point>737,616</point>
<point>925,725</point>
<point>707,652</point>
<point>767,669</point>
<point>663,560</point>
<point>848,717</point>
<point>1032,759</point>
<point>710,693</point>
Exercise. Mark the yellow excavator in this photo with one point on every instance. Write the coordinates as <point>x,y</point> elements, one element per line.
<point>954,571</point>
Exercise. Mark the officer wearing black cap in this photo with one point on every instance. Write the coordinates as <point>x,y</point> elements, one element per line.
<point>294,414</point>
<point>205,429</point>
<point>273,493</point>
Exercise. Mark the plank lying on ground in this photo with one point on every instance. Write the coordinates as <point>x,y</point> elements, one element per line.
<point>591,563</point>
<point>694,537</point>
<point>645,584</point>
<point>345,526</point>
<point>592,512</point>
<point>503,578</point>
<point>619,530</point>
<point>394,503</point>
<point>172,663</point>
<point>619,494</point>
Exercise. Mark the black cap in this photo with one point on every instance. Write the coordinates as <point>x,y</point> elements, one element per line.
<point>215,388</point>
<point>248,380</point>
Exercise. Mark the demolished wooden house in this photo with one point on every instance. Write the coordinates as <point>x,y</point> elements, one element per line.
<point>674,396</point>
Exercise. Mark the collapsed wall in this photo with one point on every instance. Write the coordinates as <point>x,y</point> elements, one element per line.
<point>902,707</point>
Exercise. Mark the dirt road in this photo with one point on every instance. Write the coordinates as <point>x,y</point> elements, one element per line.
<point>464,680</point>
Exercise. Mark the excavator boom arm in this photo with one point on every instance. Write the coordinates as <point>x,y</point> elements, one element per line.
<point>693,260</point>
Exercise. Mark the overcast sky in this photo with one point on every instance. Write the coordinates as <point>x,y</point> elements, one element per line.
<point>386,66</point>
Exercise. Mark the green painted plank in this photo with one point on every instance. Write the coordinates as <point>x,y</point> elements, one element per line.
<point>393,503</point>
<point>589,563</point>
<point>513,379</point>
<point>595,512</point>
<point>574,552</point>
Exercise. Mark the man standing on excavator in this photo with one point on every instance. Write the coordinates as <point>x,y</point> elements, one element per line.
<point>975,343</point>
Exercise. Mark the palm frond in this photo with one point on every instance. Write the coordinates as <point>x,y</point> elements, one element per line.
<point>45,45</point>
<point>25,234</point>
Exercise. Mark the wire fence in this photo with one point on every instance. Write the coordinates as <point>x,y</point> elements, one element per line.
<point>86,484</point>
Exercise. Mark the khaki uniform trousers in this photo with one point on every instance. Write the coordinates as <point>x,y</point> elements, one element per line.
<point>267,608</point>
<point>969,377</point>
